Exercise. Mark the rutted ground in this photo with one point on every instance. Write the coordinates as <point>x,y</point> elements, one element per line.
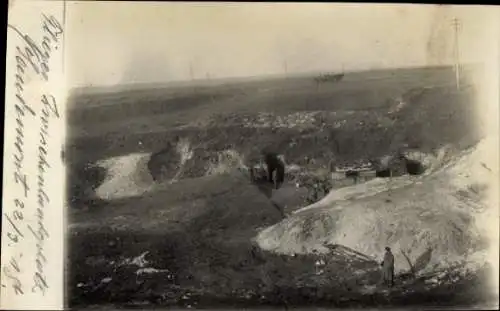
<point>310,141</point>
<point>197,251</point>
<point>189,243</point>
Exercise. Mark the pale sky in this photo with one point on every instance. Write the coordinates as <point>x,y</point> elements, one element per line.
<point>125,42</point>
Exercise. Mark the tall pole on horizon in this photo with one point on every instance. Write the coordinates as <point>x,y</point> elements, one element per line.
<point>191,76</point>
<point>191,72</point>
<point>456,28</point>
<point>285,68</point>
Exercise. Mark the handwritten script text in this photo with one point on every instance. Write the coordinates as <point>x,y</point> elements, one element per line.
<point>27,223</point>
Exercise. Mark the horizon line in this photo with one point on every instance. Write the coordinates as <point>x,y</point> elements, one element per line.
<point>212,80</point>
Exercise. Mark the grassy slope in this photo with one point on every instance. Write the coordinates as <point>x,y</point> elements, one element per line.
<point>200,229</point>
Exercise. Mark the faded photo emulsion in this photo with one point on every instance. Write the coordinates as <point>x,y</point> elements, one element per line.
<point>274,155</point>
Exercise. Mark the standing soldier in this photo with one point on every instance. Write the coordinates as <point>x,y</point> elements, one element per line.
<point>252,173</point>
<point>388,267</point>
<point>275,169</point>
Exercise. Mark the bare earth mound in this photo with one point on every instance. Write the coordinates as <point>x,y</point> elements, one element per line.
<point>429,220</point>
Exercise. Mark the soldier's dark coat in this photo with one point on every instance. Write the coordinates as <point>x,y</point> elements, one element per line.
<point>274,164</point>
<point>388,268</point>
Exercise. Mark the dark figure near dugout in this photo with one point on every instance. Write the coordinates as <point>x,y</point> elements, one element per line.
<point>274,165</point>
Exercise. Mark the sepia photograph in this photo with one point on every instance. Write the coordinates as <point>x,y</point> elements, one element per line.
<point>279,155</point>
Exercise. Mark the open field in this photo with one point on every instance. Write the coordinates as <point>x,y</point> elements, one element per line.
<point>123,118</point>
<point>192,242</point>
<point>344,122</point>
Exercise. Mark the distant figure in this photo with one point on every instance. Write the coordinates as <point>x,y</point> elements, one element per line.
<point>274,164</point>
<point>388,267</point>
<point>331,166</point>
<point>252,174</point>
